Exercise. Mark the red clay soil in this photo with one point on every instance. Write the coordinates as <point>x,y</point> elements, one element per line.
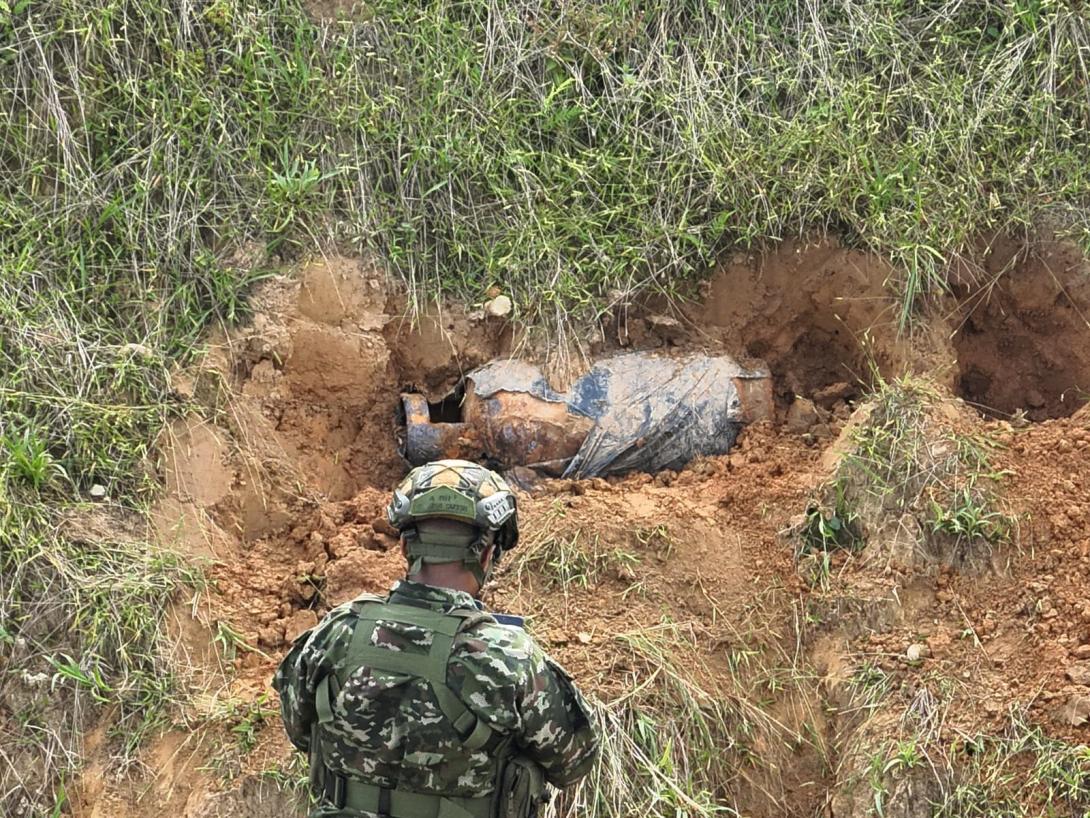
<point>284,495</point>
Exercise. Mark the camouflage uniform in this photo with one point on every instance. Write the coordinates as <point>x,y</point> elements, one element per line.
<point>388,729</point>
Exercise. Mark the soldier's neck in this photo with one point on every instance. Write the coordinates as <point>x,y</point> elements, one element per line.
<point>448,575</point>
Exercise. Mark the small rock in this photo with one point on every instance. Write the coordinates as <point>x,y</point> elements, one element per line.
<point>1077,710</point>
<point>801,416</point>
<point>1082,652</point>
<point>499,306</point>
<point>584,637</point>
<point>98,492</point>
<point>917,652</point>
<point>665,327</point>
<point>1034,399</point>
<point>1079,673</point>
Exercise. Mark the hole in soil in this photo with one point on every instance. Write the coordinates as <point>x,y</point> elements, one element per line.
<point>1024,345</point>
<point>822,363</point>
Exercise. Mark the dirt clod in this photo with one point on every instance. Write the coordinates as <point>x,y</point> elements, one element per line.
<point>802,416</point>
<point>1076,712</point>
<point>1079,673</point>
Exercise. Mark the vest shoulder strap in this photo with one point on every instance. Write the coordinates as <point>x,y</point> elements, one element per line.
<point>430,666</point>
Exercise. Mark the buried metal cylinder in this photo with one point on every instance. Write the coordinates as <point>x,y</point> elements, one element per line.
<point>426,440</point>
<point>632,412</point>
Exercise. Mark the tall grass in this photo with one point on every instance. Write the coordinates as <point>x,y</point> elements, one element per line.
<point>669,746</point>
<point>568,151</point>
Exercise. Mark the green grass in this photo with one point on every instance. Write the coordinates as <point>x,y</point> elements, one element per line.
<point>1018,772</point>
<point>568,556</point>
<point>669,746</point>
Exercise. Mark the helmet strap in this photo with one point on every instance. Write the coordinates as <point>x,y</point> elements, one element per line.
<point>440,548</point>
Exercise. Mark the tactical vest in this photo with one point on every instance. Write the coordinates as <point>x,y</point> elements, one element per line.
<point>519,782</point>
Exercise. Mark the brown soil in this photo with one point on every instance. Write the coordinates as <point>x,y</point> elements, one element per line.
<point>819,315</point>
<point>1022,341</point>
<point>283,491</point>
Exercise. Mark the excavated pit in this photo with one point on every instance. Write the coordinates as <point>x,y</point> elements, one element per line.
<point>820,315</point>
<point>1023,341</point>
<point>284,494</point>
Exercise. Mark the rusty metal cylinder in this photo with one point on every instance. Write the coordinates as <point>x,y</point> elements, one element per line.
<point>632,412</point>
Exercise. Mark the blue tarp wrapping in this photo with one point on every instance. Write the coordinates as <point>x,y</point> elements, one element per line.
<point>650,412</point>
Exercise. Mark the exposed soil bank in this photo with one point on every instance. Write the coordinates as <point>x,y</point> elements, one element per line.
<point>1023,339</point>
<point>283,487</point>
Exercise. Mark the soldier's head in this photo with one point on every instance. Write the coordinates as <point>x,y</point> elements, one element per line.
<point>455,518</point>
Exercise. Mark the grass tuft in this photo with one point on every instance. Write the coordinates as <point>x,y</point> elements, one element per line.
<point>669,744</point>
<point>571,558</point>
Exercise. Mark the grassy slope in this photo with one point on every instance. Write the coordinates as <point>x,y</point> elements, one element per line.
<point>564,151</point>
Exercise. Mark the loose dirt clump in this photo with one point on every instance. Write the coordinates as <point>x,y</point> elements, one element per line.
<point>1023,341</point>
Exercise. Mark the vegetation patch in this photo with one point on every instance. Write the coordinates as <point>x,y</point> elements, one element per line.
<point>912,477</point>
<point>673,744</point>
<point>571,557</point>
<point>908,761</point>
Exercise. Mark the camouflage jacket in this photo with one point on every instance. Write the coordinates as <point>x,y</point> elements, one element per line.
<point>388,729</point>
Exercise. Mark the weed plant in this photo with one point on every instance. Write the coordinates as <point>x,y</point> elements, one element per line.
<point>568,556</point>
<point>1018,772</point>
<point>670,746</point>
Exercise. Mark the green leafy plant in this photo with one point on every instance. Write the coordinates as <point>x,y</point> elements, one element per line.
<point>966,514</point>
<point>828,528</point>
<point>27,458</point>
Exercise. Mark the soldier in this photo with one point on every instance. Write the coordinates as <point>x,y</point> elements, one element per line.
<point>422,704</point>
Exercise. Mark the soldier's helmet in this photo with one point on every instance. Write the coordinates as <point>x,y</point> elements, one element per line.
<point>457,490</point>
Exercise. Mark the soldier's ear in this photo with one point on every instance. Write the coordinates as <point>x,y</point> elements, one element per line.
<point>486,555</point>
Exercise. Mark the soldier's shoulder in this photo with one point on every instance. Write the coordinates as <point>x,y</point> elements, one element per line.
<point>491,638</point>
<point>337,624</point>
